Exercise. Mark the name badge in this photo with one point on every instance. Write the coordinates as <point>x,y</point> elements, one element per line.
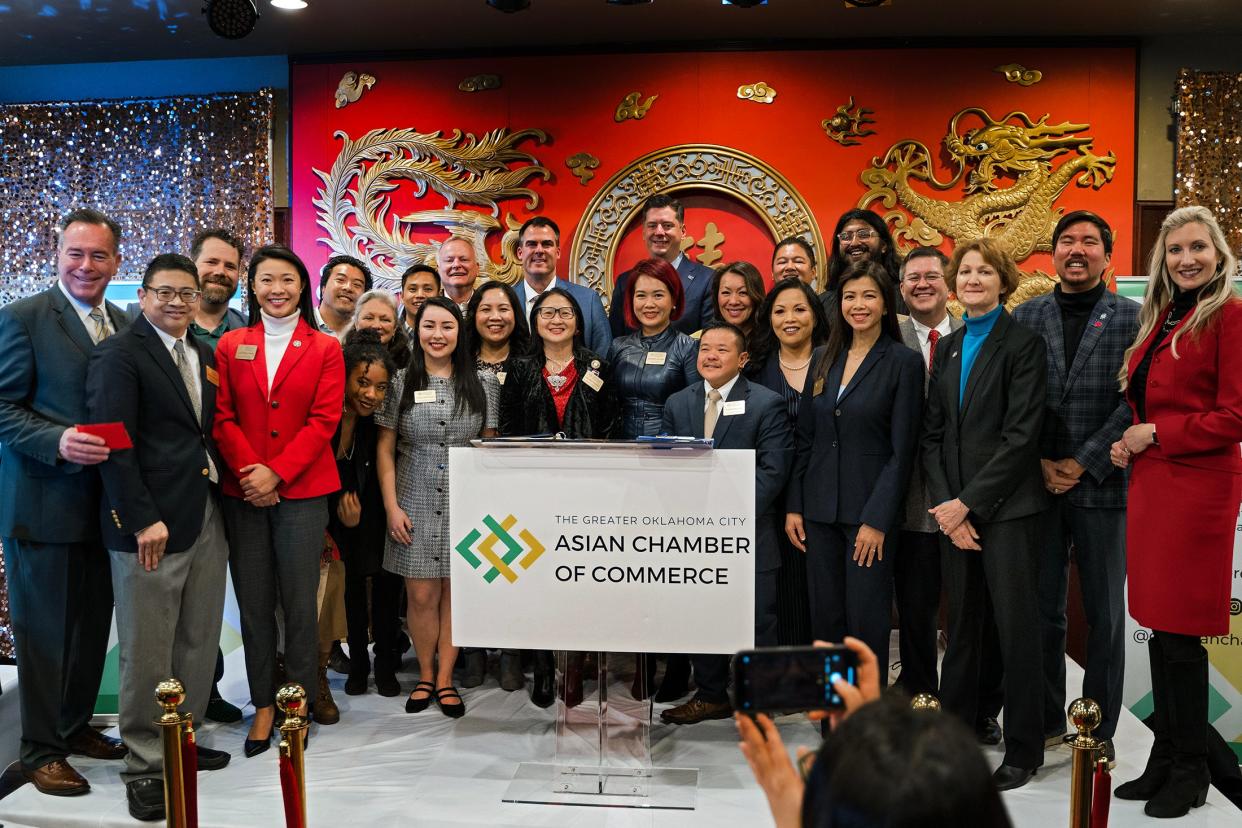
<point>500,377</point>
<point>426,396</point>
<point>733,408</point>
<point>593,380</point>
<point>818,388</point>
<point>246,352</point>
<point>656,357</point>
<point>213,376</point>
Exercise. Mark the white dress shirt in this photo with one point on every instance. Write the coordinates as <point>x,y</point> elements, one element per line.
<point>724,390</point>
<point>532,296</point>
<point>84,311</point>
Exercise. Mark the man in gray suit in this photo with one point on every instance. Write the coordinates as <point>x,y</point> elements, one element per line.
<point>663,228</point>
<point>60,588</point>
<point>1086,328</point>
<point>539,251</point>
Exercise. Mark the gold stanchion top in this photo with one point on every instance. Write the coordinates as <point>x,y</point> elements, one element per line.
<point>289,699</point>
<point>925,701</point>
<point>1085,715</point>
<point>170,694</point>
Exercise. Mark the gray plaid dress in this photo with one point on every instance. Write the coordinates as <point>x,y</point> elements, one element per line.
<point>425,433</point>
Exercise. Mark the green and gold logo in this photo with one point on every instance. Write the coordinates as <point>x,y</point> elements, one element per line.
<point>500,564</point>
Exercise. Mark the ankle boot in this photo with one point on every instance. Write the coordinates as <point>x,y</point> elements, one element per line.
<point>676,681</point>
<point>325,710</point>
<point>572,688</point>
<point>644,676</point>
<point>1189,777</point>
<point>1160,760</point>
<point>511,677</point>
<point>542,690</point>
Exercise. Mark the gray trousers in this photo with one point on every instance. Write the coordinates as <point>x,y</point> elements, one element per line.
<point>275,550</point>
<point>168,623</point>
<point>1099,540</point>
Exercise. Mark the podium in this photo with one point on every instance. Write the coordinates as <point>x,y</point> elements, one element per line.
<point>602,549</point>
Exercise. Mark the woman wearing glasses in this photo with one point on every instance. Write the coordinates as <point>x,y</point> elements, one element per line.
<point>561,387</point>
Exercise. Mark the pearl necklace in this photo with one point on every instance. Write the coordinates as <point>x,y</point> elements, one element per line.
<point>785,364</point>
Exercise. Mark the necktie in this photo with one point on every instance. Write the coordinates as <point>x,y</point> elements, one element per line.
<point>713,412</point>
<point>183,368</point>
<point>101,325</point>
<point>933,336</point>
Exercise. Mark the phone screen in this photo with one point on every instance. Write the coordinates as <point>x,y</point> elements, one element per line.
<point>788,679</point>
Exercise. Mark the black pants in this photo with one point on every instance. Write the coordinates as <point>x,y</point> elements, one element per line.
<point>711,670</point>
<point>916,579</point>
<point>60,599</point>
<point>1005,575</point>
<point>793,605</point>
<point>386,589</point>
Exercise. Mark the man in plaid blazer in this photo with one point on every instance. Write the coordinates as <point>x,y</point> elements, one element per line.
<point>1086,328</point>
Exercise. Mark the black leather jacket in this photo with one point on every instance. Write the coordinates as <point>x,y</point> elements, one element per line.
<point>644,386</point>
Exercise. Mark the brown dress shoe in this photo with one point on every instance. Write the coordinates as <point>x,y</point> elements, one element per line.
<point>57,778</point>
<point>92,743</point>
<point>697,710</point>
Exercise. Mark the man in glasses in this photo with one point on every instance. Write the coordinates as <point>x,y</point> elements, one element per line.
<point>860,235</point>
<point>539,251</point>
<point>160,517</point>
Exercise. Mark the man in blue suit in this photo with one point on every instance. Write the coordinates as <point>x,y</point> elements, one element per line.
<point>539,251</point>
<point>664,226</point>
<point>60,586</point>
<point>736,414</point>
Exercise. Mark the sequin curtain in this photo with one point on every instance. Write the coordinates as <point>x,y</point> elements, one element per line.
<point>1209,147</point>
<point>164,168</point>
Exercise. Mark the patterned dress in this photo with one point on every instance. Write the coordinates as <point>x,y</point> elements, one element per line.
<point>425,433</point>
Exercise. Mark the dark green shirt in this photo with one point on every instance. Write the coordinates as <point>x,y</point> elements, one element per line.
<point>232,320</point>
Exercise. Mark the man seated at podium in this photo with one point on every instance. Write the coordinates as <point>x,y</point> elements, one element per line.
<point>736,414</point>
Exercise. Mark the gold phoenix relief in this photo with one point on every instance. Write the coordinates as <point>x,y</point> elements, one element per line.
<point>848,124</point>
<point>351,87</point>
<point>631,109</point>
<point>355,205</point>
<point>758,92</point>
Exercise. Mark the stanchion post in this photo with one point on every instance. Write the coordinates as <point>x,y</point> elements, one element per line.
<point>925,701</point>
<point>170,694</point>
<point>1085,715</point>
<point>290,700</point>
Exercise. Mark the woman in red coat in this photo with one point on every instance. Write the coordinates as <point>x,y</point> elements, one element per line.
<point>281,387</point>
<point>1183,379</point>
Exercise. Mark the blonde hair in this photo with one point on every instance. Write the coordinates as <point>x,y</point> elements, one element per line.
<point>1214,295</point>
<point>994,255</point>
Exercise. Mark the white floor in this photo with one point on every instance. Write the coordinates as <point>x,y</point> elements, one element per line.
<point>380,764</point>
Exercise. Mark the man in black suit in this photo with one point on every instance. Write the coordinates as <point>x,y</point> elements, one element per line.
<point>736,414</point>
<point>60,590</point>
<point>664,226</point>
<point>1086,328</point>
<point>160,516</point>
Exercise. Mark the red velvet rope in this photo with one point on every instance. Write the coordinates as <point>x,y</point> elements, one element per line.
<point>1102,792</point>
<point>189,777</point>
<point>291,795</point>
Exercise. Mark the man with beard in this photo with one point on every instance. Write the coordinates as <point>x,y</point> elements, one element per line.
<point>1086,328</point>
<point>459,270</point>
<point>342,280</point>
<point>860,234</point>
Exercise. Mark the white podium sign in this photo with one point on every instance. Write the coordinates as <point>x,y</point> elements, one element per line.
<point>616,549</point>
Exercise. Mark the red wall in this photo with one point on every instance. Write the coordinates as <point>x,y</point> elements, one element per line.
<point>913,94</point>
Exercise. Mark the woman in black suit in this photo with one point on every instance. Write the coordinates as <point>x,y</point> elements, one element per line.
<point>985,406</point>
<point>357,521</point>
<point>858,425</point>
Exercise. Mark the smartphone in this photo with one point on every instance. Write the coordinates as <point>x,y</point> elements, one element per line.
<point>791,679</point>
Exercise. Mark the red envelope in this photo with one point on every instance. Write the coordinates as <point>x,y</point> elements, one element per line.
<point>114,434</point>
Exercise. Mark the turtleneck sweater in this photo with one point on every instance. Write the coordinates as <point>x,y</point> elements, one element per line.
<point>277,331</point>
<point>977,330</point>
<point>1075,312</point>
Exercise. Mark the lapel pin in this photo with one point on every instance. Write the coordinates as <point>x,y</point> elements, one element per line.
<point>954,354</point>
<point>1099,324</point>
<point>297,343</point>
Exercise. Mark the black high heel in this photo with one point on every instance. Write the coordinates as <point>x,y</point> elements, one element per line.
<point>413,705</point>
<point>253,747</point>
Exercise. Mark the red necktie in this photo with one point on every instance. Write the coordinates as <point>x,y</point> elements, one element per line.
<point>933,336</point>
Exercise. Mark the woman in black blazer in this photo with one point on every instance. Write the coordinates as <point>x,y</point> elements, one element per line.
<point>858,424</point>
<point>985,406</point>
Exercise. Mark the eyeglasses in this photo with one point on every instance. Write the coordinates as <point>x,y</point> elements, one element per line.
<point>861,235</point>
<point>930,278</point>
<point>553,313</point>
<point>166,294</point>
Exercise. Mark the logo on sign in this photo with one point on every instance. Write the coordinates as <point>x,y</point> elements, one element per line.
<point>479,550</point>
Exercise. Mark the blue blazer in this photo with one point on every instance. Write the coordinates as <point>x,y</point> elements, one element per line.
<point>596,334</point>
<point>700,305</point>
<point>855,453</point>
<point>763,427</point>
<point>44,350</point>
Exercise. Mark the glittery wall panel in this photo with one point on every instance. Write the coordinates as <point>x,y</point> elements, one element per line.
<point>1209,147</point>
<point>164,168</point>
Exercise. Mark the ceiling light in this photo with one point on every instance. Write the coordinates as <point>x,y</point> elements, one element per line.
<point>289,5</point>
<point>626,2</point>
<point>232,19</point>
<point>509,6</point>
<point>746,4</point>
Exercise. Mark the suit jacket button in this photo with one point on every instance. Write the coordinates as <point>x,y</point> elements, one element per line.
<point>834,443</point>
<point>275,433</point>
<point>206,472</point>
<point>837,412</point>
<point>275,404</point>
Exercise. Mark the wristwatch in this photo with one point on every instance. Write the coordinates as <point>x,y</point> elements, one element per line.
<point>1154,440</point>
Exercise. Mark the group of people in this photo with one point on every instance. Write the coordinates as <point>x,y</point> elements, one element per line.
<point>899,451</point>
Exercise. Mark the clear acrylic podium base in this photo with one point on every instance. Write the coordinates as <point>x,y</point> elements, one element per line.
<point>603,748</point>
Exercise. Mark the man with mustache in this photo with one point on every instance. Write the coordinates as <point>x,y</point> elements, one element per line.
<point>859,235</point>
<point>217,255</point>
<point>342,280</point>
<point>1086,328</point>
<point>459,270</point>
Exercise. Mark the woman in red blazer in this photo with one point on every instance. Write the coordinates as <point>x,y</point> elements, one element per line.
<point>282,383</point>
<point>1183,379</point>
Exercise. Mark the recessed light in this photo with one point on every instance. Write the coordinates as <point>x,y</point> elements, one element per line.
<point>232,19</point>
<point>289,5</point>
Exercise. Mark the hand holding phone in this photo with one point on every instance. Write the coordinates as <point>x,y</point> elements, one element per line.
<point>792,679</point>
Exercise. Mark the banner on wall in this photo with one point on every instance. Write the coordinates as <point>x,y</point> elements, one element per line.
<point>626,548</point>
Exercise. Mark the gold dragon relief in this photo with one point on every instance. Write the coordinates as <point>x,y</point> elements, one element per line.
<point>355,205</point>
<point>1011,170</point>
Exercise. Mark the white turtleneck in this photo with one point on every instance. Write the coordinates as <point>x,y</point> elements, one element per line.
<point>277,331</point>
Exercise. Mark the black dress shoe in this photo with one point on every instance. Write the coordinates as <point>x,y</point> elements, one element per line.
<point>356,682</point>
<point>210,760</point>
<point>220,710</point>
<point>413,705</point>
<point>146,799</point>
<point>386,683</point>
<point>253,747</point>
<point>1008,777</point>
<point>338,662</point>
<point>988,731</point>
<point>542,691</point>
<point>456,705</point>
